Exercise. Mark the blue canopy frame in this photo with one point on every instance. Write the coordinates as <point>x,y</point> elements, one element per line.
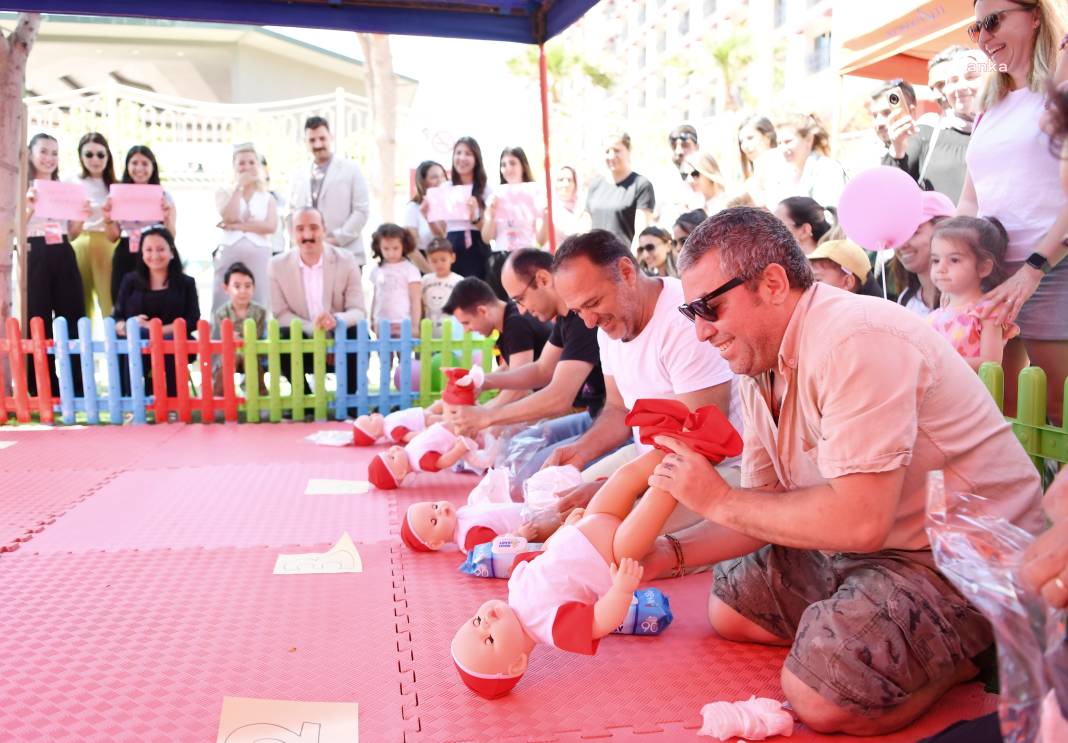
<point>523,21</point>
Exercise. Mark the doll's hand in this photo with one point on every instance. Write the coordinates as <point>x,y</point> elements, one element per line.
<point>575,516</point>
<point>627,576</point>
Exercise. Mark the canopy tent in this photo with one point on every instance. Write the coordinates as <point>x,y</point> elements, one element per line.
<point>523,21</point>
<point>883,42</point>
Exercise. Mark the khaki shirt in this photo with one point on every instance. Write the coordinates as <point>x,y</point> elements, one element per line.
<point>871,387</point>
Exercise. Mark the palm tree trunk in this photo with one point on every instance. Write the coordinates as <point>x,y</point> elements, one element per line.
<point>383,94</point>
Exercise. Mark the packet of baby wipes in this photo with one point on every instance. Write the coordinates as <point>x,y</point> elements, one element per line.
<point>494,559</point>
<point>649,614</point>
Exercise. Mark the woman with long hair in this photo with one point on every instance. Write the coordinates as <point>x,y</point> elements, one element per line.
<point>141,168</point>
<point>756,137</point>
<point>248,218</point>
<point>511,232</point>
<point>53,284</point>
<point>429,174</point>
<point>466,235</point>
<point>92,246</point>
<point>806,167</point>
<point>1013,175</point>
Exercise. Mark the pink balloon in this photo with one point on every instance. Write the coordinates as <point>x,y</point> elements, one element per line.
<point>881,208</point>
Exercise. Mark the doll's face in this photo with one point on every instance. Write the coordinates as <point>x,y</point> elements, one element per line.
<point>397,461</point>
<point>433,521</point>
<point>373,425</point>
<point>493,641</point>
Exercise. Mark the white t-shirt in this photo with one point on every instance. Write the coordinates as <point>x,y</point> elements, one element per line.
<point>436,293</point>
<point>426,447</point>
<point>97,192</point>
<point>498,518</point>
<point>1016,177</point>
<point>401,422</point>
<point>391,300</point>
<point>915,304</point>
<point>414,219</point>
<point>666,359</point>
<point>553,594</point>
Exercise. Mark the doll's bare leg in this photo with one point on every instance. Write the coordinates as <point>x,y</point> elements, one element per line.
<point>617,496</point>
<point>639,530</point>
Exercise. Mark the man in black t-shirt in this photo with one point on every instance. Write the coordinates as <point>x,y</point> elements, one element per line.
<point>567,375</point>
<point>521,337</point>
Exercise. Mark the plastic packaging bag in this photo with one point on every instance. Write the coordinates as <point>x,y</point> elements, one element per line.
<point>981,556</point>
<point>492,488</point>
<point>649,613</point>
<point>330,438</point>
<point>495,559</point>
<point>539,491</point>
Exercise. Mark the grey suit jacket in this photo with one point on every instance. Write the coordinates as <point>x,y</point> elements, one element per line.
<point>342,288</point>
<point>344,201</point>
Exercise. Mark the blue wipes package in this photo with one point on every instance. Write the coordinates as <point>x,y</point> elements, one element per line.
<point>649,614</point>
<point>494,559</point>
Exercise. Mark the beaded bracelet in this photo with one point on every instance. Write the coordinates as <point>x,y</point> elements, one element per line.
<point>680,563</point>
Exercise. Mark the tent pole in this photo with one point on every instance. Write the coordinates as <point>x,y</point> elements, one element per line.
<point>544,76</point>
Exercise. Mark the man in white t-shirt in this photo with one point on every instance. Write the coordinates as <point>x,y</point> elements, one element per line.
<point>647,350</point>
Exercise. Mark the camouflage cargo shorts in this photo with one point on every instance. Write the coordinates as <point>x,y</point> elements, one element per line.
<point>868,630</point>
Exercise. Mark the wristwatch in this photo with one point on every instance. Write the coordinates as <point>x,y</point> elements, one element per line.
<point>1039,261</point>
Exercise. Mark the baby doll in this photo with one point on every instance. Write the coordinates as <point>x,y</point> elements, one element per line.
<point>400,426</point>
<point>580,587</point>
<point>430,525</point>
<point>437,447</point>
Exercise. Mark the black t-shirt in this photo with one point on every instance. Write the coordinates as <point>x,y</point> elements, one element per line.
<point>613,206</point>
<point>579,343</point>
<point>521,333</point>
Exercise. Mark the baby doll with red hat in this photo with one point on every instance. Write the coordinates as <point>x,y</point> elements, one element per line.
<point>437,447</point>
<point>398,427</point>
<point>579,588</point>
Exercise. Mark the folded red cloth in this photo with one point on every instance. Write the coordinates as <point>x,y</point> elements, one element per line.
<point>706,430</point>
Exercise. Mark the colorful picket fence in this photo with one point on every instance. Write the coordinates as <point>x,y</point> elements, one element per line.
<point>103,399</point>
<point>1039,439</point>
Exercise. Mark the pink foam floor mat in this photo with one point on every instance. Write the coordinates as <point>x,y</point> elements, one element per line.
<point>237,506</point>
<point>32,500</point>
<point>142,594</point>
<point>144,645</point>
<point>93,447</point>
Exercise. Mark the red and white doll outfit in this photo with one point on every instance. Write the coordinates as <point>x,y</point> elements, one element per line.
<point>475,525</point>
<point>399,424</point>
<point>553,592</point>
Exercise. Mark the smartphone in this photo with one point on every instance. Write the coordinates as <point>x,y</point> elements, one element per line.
<point>897,101</point>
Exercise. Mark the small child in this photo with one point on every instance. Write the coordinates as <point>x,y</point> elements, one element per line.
<point>400,426</point>
<point>438,286</point>
<point>240,285</point>
<point>572,594</point>
<point>396,280</point>
<point>438,447</point>
<point>967,260</point>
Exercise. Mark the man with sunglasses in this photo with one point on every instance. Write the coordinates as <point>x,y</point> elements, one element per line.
<point>647,350</point>
<point>848,402</point>
<point>567,375</point>
<point>673,192</point>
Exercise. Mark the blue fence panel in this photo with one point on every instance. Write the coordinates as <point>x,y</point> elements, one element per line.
<point>343,346</point>
<point>405,380</point>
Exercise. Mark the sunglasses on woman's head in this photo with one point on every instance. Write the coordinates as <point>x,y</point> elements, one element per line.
<point>991,22</point>
<point>701,308</point>
<point>95,154</point>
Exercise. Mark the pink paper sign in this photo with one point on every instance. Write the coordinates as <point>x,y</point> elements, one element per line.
<point>517,202</point>
<point>448,203</point>
<point>135,202</point>
<point>59,200</point>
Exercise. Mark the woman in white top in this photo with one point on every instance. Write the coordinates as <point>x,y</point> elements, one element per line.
<point>92,247</point>
<point>1014,176</point>
<point>703,174</point>
<point>428,175</point>
<point>806,167</point>
<point>141,168</point>
<point>510,233</point>
<point>249,216</point>
<point>566,211</point>
<point>53,284</point>
<point>756,138</point>
<point>471,250</point>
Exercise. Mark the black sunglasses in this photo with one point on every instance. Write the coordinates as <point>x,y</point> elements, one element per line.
<point>682,138</point>
<point>991,22</point>
<point>97,155</point>
<point>646,248</point>
<point>700,307</point>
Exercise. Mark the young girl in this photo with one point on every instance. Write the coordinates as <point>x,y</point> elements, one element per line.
<point>141,169</point>
<point>466,235</point>
<point>398,285</point>
<point>967,257</point>
<point>509,225</point>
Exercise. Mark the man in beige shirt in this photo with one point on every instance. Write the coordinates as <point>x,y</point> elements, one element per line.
<point>848,403</point>
<point>317,284</point>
